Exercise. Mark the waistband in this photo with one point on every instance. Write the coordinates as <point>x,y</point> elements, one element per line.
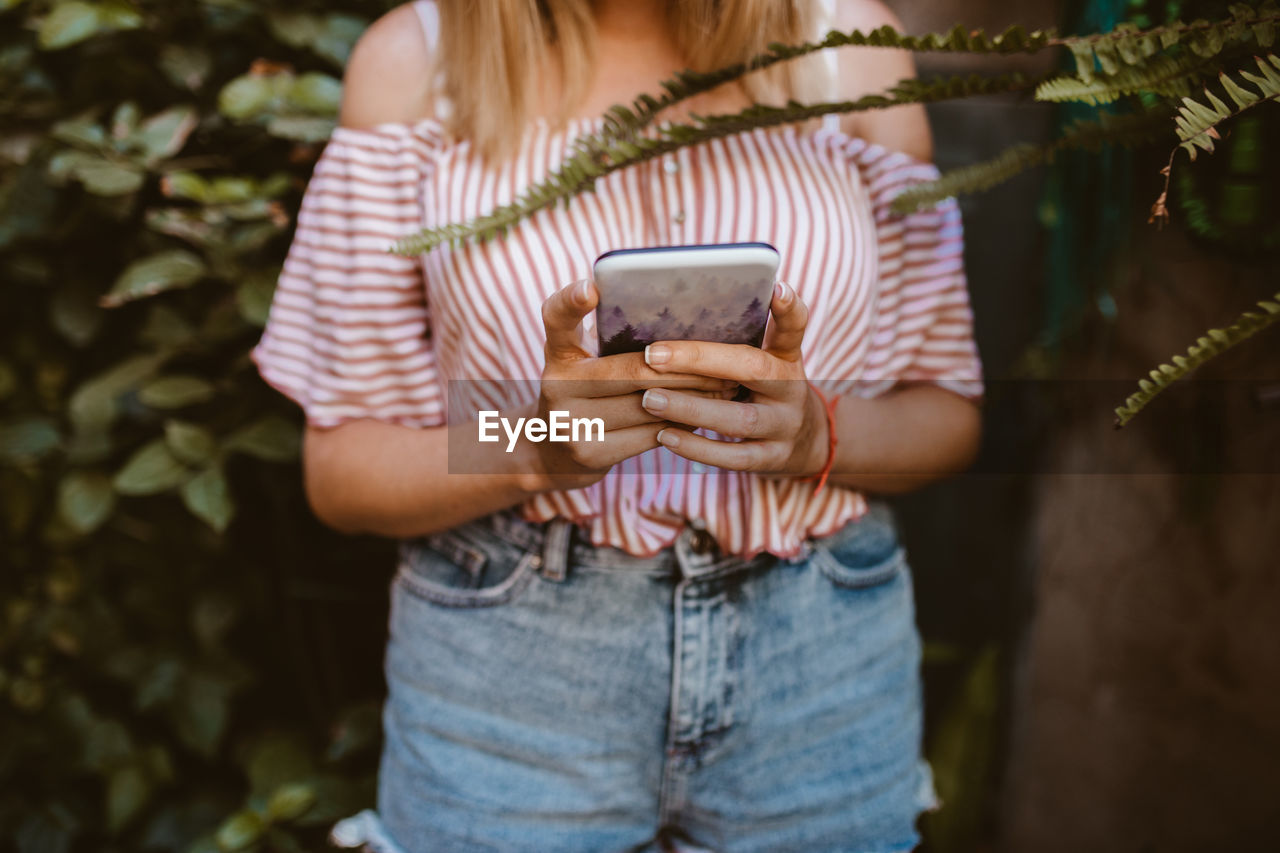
<point>559,544</point>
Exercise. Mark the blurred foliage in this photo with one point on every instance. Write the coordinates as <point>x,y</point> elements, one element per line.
<point>161,687</point>
<point>187,659</point>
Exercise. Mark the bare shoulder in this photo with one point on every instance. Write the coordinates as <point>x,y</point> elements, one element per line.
<point>388,76</point>
<point>872,70</point>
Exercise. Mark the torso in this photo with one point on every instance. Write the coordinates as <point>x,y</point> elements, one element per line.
<point>804,191</point>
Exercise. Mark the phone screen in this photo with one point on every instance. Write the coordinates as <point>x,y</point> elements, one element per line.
<point>717,292</point>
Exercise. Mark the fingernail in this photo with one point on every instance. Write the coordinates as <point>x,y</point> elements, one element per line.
<point>782,292</point>
<point>582,293</point>
<point>654,400</point>
<point>656,354</point>
<point>667,438</point>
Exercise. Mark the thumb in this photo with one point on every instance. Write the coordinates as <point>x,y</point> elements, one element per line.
<point>562,314</point>
<point>789,318</point>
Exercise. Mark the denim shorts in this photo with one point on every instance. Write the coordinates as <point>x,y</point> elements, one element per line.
<point>551,696</point>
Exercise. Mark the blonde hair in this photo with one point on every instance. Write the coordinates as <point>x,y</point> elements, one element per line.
<point>494,56</point>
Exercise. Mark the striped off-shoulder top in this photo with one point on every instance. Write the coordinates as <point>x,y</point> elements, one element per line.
<point>357,332</point>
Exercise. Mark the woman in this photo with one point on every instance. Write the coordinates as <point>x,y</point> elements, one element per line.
<point>664,640</point>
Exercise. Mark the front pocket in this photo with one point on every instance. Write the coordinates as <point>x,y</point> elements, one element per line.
<point>862,554</point>
<point>448,569</point>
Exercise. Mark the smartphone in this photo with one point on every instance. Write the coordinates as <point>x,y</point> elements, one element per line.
<point>716,292</point>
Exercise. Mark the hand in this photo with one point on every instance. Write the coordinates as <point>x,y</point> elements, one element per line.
<point>608,387</point>
<point>783,423</point>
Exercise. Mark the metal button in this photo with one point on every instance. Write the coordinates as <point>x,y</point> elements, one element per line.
<point>671,166</point>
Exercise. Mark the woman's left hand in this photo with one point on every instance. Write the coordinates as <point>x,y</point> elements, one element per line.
<point>782,424</point>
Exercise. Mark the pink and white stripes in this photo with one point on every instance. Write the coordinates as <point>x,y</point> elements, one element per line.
<point>357,332</point>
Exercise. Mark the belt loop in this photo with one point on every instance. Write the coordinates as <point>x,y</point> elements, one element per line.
<point>555,549</point>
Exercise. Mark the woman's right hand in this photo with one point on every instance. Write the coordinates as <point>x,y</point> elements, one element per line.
<point>606,387</point>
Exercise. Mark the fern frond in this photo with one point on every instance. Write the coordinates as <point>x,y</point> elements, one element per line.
<point>620,142</point>
<point>1127,129</point>
<point>1197,122</point>
<point>1214,343</point>
<point>1127,45</point>
<point>1163,75</point>
<point>622,121</point>
<point>597,157</point>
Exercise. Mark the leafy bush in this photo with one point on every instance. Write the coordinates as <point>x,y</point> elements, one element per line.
<point>167,679</point>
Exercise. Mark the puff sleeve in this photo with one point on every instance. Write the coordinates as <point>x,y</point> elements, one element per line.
<point>924,324</point>
<point>348,333</point>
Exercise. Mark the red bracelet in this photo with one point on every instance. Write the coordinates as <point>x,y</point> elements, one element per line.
<point>830,407</point>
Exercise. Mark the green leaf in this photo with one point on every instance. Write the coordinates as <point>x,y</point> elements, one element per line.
<point>93,406</point>
<point>106,743</point>
<point>67,24</point>
<point>186,185</point>
<point>253,297</point>
<point>271,438</point>
<point>166,328</point>
<point>151,469</point>
<point>74,312</point>
<point>27,202</point>
<point>128,791</point>
<point>209,499</point>
<point>124,121</point>
<point>118,15</point>
<point>174,392</point>
<point>339,36</point>
<point>1214,343</point>
<point>202,710</point>
<point>330,36</point>
<point>277,759</point>
<point>85,500</point>
<point>186,65</point>
<point>317,94</point>
<point>46,830</point>
<point>301,128</point>
<point>159,684</point>
<point>164,134</point>
<point>246,96</point>
<point>106,177</point>
<point>82,131</point>
<point>28,438</point>
<point>290,802</point>
<point>71,23</point>
<point>190,443</point>
<point>159,272</point>
<point>240,831</point>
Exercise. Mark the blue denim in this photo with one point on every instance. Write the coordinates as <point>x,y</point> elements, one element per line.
<point>549,695</point>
